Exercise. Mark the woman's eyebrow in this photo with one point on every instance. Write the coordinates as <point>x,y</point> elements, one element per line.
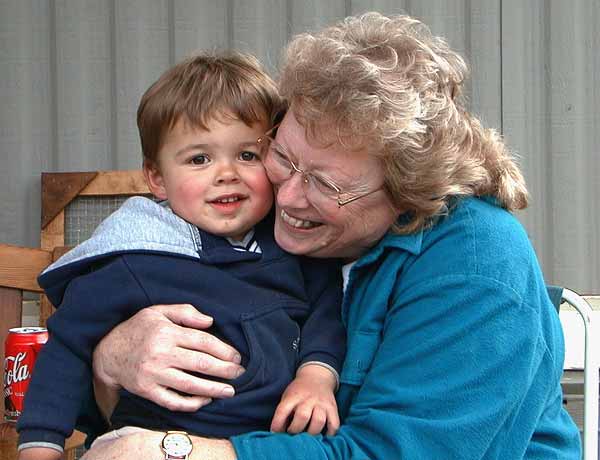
<point>285,149</point>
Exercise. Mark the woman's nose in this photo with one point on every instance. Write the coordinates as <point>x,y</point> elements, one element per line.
<point>290,193</point>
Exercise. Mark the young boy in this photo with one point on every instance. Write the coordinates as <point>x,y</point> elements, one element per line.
<point>209,243</point>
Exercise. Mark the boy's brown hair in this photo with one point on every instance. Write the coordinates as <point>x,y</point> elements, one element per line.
<point>203,87</point>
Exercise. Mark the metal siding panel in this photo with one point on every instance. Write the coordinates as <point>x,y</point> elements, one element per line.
<point>83,85</point>
<point>592,77</point>
<point>483,33</point>
<point>525,107</point>
<point>574,105</point>
<point>311,15</point>
<point>472,29</point>
<point>445,18</point>
<point>448,19</point>
<point>25,114</point>
<point>73,73</point>
<point>142,53</point>
<point>387,7</point>
<point>550,110</point>
<point>199,25</point>
<point>260,27</point>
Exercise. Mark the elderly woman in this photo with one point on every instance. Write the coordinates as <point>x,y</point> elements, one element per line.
<point>454,348</point>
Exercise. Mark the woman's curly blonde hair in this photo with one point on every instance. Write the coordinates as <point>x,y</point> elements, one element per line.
<point>391,85</point>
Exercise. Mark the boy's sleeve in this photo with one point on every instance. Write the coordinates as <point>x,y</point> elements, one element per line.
<point>61,385</point>
<point>323,336</point>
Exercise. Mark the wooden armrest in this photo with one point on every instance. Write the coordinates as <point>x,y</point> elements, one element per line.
<point>20,266</point>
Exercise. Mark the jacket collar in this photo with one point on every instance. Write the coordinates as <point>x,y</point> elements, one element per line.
<point>217,250</point>
<point>411,243</point>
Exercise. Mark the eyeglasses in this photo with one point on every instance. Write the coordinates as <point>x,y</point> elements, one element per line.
<point>280,167</point>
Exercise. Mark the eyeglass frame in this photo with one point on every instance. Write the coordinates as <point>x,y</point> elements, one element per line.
<point>306,174</point>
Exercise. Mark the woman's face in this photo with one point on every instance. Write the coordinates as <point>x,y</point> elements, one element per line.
<point>315,225</point>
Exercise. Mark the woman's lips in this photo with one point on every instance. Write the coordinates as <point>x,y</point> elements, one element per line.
<point>298,223</point>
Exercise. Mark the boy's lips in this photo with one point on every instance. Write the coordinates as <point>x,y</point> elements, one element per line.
<point>227,203</point>
<point>230,198</point>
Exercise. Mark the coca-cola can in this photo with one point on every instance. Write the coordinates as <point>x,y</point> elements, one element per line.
<point>20,351</point>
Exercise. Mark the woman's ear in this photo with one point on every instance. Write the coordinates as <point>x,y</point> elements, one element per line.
<point>154,180</point>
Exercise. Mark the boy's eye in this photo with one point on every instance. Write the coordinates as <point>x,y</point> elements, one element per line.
<point>199,159</point>
<point>248,156</point>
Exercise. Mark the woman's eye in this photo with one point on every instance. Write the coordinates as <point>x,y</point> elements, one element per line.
<point>323,185</point>
<point>199,159</point>
<point>279,154</point>
<point>248,156</point>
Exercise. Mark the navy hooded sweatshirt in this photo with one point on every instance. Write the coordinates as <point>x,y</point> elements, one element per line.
<point>279,311</point>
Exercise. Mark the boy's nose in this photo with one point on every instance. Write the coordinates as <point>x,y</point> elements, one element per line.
<point>226,174</point>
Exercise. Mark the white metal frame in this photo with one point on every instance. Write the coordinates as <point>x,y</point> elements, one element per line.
<point>590,373</point>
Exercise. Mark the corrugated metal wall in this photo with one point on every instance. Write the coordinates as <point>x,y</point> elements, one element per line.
<point>72,72</point>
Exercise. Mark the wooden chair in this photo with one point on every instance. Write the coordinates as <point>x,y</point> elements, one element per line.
<point>72,205</point>
<point>19,268</point>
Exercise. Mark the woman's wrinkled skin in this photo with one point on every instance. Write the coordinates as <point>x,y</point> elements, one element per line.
<point>144,446</point>
<point>166,337</point>
<point>345,232</point>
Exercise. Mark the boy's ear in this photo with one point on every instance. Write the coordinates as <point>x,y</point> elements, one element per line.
<point>154,180</point>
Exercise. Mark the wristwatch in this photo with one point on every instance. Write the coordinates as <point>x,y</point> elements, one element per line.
<point>176,445</point>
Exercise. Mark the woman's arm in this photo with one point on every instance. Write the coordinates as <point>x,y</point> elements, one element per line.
<point>152,353</point>
<point>146,445</point>
<point>444,382</point>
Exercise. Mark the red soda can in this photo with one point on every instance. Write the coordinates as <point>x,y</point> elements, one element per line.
<point>20,351</point>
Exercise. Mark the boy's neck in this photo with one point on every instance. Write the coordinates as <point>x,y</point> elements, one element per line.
<point>244,240</point>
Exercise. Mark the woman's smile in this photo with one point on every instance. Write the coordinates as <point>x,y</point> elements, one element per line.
<point>298,223</point>
<point>319,226</point>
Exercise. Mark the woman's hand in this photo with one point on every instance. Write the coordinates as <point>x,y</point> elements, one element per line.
<point>146,445</point>
<point>152,353</point>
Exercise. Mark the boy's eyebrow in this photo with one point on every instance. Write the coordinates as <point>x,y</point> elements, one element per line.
<point>191,147</point>
<point>187,148</point>
<point>248,144</point>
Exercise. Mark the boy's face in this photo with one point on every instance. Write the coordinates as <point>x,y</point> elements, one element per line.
<point>213,178</point>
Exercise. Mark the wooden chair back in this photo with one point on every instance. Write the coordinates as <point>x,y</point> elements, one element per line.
<point>63,225</point>
<point>19,268</point>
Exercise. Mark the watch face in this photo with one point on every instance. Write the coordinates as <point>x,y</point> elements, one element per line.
<point>177,444</point>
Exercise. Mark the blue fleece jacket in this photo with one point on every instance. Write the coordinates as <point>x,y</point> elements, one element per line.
<point>454,352</point>
<point>277,310</point>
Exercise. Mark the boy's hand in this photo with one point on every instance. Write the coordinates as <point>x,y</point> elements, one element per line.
<point>39,453</point>
<point>310,397</point>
